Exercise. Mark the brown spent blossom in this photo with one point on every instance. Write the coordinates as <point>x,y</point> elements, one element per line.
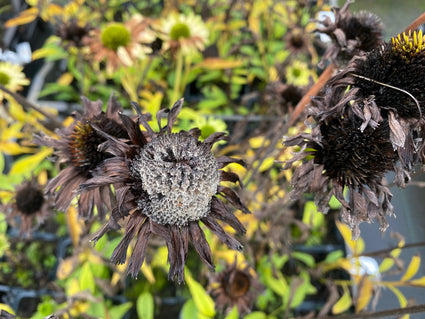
<point>166,183</point>
<point>235,286</point>
<point>350,34</point>
<point>78,148</point>
<point>30,204</point>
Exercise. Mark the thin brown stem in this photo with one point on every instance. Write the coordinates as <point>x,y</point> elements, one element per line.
<point>388,250</point>
<point>416,24</point>
<point>381,314</point>
<point>314,90</point>
<point>28,105</point>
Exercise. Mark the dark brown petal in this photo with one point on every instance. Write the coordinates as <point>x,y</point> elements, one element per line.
<point>139,251</point>
<point>215,137</point>
<point>113,107</point>
<point>195,132</point>
<point>230,177</point>
<point>134,224</point>
<point>174,112</point>
<point>110,225</point>
<point>69,183</point>
<point>233,198</point>
<point>133,130</point>
<point>219,231</point>
<point>92,108</point>
<point>223,161</point>
<point>158,119</point>
<point>86,204</point>
<point>199,242</point>
<point>143,119</point>
<point>118,144</point>
<point>179,242</point>
<point>48,141</point>
<point>397,134</point>
<point>221,212</point>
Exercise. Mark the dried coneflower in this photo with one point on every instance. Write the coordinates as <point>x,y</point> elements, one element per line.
<point>167,183</point>
<point>30,204</point>
<point>338,155</point>
<point>350,34</point>
<point>235,286</point>
<point>72,32</point>
<point>78,147</point>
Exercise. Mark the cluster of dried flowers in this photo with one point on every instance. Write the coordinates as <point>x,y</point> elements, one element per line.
<point>369,121</point>
<point>164,183</point>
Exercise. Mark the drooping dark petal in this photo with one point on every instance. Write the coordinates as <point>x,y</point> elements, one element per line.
<point>92,108</point>
<point>220,211</point>
<point>133,227</point>
<point>215,137</point>
<point>219,231</point>
<point>86,204</point>
<point>133,130</point>
<point>233,198</point>
<point>223,161</point>
<point>138,256</point>
<point>179,244</point>
<point>199,242</point>
<point>230,177</point>
<point>174,112</point>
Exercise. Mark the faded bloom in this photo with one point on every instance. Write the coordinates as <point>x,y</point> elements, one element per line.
<point>350,34</point>
<point>118,44</point>
<point>235,286</point>
<point>72,32</point>
<point>297,41</point>
<point>78,147</point>
<point>30,204</point>
<point>368,122</point>
<point>11,77</point>
<point>186,32</point>
<point>167,183</point>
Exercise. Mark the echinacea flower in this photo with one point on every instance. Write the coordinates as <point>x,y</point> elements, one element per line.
<point>235,286</point>
<point>350,34</point>
<point>78,148</point>
<point>30,204</point>
<point>167,183</point>
<point>11,77</point>
<point>119,44</point>
<point>185,32</point>
<point>337,155</point>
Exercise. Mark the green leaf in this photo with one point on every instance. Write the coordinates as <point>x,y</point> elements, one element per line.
<point>304,289</point>
<point>256,315</point>
<point>305,258</point>
<point>145,306</point>
<point>189,310</point>
<point>120,310</point>
<point>334,256</point>
<point>87,279</point>
<point>234,314</point>
<point>202,300</point>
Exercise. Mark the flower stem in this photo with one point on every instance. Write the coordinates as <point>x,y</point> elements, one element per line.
<point>177,79</point>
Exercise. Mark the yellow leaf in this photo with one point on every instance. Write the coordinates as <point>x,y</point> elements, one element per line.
<point>65,79</point>
<point>218,64</point>
<point>401,298</point>
<point>356,246</point>
<point>29,163</point>
<point>65,268</point>
<point>259,141</point>
<point>148,273</point>
<point>74,225</point>
<point>418,282</point>
<point>365,294</point>
<point>25,17</point>
<point>44,52</point>
<point>386,264</point>
<point>6,308</point>
<point>266,164</point>
<point>412,269</point>
<point>343,303</point>
<point>15,149</point>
